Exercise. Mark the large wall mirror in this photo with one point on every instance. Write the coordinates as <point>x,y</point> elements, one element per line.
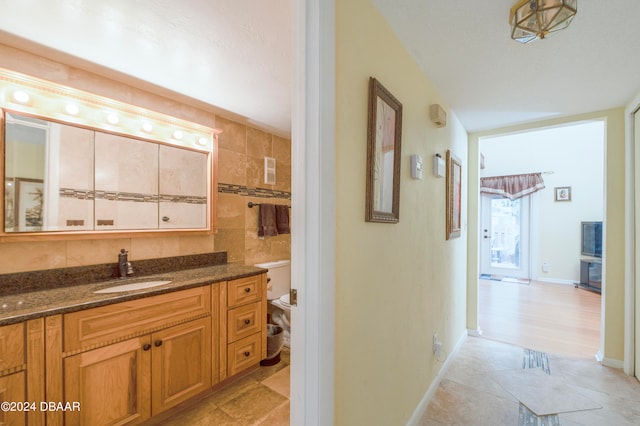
<point>63,178</point>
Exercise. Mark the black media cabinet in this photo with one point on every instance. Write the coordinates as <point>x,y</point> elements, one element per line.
<point>591,274</point>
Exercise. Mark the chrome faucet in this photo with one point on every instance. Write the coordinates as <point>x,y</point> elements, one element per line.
<point>124,266</point>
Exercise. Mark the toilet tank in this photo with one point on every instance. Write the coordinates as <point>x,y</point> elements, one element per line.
<point>279,276</point>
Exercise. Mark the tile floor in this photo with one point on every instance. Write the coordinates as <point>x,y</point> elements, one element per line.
<point>487,383</point>
<point>493,383</point>
<point>258,399</point>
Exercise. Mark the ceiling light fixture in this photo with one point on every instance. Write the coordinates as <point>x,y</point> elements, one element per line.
<point>538,19</point>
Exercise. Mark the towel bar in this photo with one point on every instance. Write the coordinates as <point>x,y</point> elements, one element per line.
<point>252,204</point>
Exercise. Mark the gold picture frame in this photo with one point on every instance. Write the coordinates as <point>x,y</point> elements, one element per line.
<point>384,132</point>
<point>454,196</point>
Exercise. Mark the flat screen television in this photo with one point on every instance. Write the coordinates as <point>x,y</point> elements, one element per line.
<point>592,239</point>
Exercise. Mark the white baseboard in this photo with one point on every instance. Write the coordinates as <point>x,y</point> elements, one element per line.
<point>556,281</point>
<point>422,406</point>
<point>609,362</point>
<point>613,363</point>
<point>474,332</point>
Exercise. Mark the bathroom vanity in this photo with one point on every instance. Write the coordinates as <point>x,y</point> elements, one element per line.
<point>123,358</point>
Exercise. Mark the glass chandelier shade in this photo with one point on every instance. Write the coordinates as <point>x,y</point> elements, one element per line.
<point>537,19</point>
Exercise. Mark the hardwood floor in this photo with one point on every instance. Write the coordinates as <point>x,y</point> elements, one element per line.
<point>547,317</point>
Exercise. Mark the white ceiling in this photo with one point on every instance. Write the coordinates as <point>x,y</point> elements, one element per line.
<point>491,81</point>
<point>236,54</point>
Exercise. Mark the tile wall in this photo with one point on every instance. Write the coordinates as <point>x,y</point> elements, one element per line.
<point>241,157</point>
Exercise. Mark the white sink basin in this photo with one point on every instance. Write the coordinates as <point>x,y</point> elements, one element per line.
<point>133,286</point>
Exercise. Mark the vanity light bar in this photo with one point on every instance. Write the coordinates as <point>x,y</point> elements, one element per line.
<point>42,98</point>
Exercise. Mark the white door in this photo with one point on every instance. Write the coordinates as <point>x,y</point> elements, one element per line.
<point>504,237</point>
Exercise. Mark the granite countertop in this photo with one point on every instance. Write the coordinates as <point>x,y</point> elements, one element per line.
<point>51,301</point>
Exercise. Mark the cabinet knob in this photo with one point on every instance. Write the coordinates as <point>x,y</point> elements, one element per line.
<point>158,343</point>
<point>146,347</point>
<point>247,353</point>
<point>247,290</point>
<point>247,321</point>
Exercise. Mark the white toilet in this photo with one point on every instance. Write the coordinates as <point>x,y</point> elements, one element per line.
<point>278,286</point>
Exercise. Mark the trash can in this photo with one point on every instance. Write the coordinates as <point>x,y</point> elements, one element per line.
<point>275,341</point>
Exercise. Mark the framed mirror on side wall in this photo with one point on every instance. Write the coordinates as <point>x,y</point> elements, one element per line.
<point>71,180</point>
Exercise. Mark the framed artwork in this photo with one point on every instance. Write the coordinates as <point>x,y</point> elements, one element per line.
<point>454,196</point>
<point>563,193</point>
<point>29,204</point>
<point>384,132</point>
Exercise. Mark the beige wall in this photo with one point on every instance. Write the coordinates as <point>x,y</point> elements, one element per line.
<point>395,284</point>
<point>614,256</point>
<point>237,223</point>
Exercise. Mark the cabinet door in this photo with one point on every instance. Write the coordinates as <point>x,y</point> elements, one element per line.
<point>12,390</point>
<point>181,363</point>
<point>11,346</point>
<point>112,384</point>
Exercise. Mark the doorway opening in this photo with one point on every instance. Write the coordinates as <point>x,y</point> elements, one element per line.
<point>530,247</point>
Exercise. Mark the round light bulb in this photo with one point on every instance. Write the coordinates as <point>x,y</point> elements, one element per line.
<point>21,96</point>
<point>147,127</point>
<point>203,141</point>
<point>177,134</point>
<point>72,109</point>
<point>113,119</point>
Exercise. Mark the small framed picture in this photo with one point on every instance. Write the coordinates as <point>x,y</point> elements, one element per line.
<point>563,193</point>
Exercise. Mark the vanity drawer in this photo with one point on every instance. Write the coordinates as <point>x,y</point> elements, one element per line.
<point>244,290</point>
<point>106,324</point>
<point>12,346</point>
<point>244,321</point>
<point>243,353</point>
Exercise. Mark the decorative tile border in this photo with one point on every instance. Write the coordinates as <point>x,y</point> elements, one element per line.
<point>85,194</point>
<point>80,194</point>
<point>126,196</point>
<point>225,188</point>
<point>246,191</point>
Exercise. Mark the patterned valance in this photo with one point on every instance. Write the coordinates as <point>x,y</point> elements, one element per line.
<point>513,186</point>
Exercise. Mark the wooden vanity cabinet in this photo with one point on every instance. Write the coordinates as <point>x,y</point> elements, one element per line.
<point>127,362</point>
